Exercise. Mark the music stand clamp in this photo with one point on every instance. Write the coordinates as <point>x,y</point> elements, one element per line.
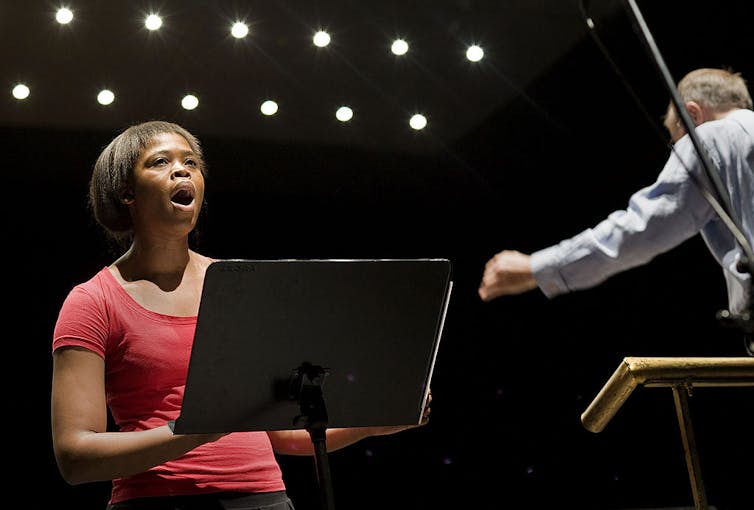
<point>743,322</point>
<point>306,388</point>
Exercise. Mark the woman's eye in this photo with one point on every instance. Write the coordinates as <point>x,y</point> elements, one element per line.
<point>190,162</point>
<point>159,161</point>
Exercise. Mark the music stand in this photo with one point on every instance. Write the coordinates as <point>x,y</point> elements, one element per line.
<point>312,344</point>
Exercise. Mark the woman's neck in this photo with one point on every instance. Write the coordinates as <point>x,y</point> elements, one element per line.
<point>163,264</point>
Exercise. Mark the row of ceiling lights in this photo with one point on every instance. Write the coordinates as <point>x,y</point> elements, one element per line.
<point>239,30</point>
<point>190,102</point>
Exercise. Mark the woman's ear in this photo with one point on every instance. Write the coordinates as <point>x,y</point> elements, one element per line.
<point>127,198</point>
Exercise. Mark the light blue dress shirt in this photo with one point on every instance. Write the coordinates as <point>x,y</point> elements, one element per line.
<point>663,215</point>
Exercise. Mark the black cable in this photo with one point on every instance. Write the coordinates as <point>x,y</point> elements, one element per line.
<point>624,81</point>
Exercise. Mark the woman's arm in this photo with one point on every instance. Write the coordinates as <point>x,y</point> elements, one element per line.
<point>299,442</point>
<point>84,450</point>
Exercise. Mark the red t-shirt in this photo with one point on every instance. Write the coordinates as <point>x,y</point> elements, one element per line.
<point>146,361</point>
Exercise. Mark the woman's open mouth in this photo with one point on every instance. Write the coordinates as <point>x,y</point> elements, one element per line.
<point>183,194</point>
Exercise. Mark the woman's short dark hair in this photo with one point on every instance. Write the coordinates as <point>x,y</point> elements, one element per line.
<point>112,175</point>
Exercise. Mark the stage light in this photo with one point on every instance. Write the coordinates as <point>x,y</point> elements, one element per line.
<point>418,121</point>
<point>321,39</point>
<point>474,53</point>
<point>344,114</point>
<point>64,15</point>
<point>21,91</point>
<point>105,97</point>
<point>153,22</point>
<point>189,102</point>
<point>239,30</point>
<point>269,107</point>
<point>399,47</point>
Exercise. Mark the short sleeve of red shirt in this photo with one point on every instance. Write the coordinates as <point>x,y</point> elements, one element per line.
<point>82,320</point>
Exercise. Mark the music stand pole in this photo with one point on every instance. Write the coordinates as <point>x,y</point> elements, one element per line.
<point>307,389</point>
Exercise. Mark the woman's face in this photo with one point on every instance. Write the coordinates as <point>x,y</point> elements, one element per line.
<point>168,188</point>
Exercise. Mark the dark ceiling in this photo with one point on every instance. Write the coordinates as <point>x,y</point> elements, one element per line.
<point>107,46</point>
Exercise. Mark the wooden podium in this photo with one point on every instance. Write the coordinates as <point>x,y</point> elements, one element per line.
<point>681,375</point>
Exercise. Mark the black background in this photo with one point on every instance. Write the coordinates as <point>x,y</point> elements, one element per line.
<point>512,376</point>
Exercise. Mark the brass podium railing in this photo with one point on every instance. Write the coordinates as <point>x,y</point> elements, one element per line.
<point>680,374</point>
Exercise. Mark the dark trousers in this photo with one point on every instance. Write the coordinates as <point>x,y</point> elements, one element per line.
<point>219,501</point>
